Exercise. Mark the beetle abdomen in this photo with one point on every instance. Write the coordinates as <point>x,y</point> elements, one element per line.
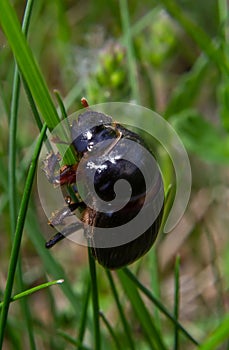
<point>120,256</point>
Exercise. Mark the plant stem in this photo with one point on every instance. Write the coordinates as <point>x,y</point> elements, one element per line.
<point>121,312</point>
<point>12,173</point>
<point>130,50</point>
<point>176,302</point>
<point>33,290</point>
<point>160,306</point>
<point>95,301</point>
<point>18,234</point>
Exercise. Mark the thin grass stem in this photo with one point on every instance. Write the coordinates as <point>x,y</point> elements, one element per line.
<point>33,290</point>
<point>123,4</point>
<point>12,173</point>
<point>160,306</point>
<point>121,312</point>
<point>95,301</point>
<point>61,105</point>
<point>18,234</point>
<point>83,321</point>
<point>111,331</point>
<point>176,302</point>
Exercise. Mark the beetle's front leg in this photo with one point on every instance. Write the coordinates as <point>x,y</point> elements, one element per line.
<point>50,165</point>
<point>56,175</point>
<point>59,216</point>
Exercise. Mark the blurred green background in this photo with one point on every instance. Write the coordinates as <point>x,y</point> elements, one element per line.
<point>169,56</point>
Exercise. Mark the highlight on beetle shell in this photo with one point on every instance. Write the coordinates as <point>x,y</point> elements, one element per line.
<point>100,176</point>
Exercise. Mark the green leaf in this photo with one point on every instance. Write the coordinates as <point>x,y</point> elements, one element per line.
<point>157,303</point>
<point>202,138</point>
<point>51,265</point>
<point>33,290</point>
<point>224,103</point>
<point>143,315</point>
<point>27,63</point>
<point>187,88</point>
<point>30,70</point>
<point>124,321</point>
<point>18,233</point>
<point>218,336</point>
<point>201,38</point>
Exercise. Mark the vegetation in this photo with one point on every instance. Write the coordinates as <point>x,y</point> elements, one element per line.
<point>172,57</point>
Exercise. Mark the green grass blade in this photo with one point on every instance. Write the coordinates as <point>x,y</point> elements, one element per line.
<point>33,290</point>
<point>224,86</point>
<point>223,18</point>
<point>25,307</point>
<point>155,283</point>
<point>61,105</point>
<point>18,234</point>
<point>145,21</point>
<point>12,174</point>
<point>15,336</point>
<point>125,324</point>
<point>51,266</point>
<point>83,321</point>
<point>159,305</point>
<point>188,87</point>
<point>30,70</point>
<point>95,301</point>
<point>111,331</point>
<point>198,35</point>
<point>13,125</point>
<point>12,150</point>
<point>123,4</point>
<point>176,302</point>
<point>33,105</point>
<point>3,99</point>
<point>73,341</point>
<point>145,320</point>
<point>27,64</point>
<point>217,337</point>
<point>73,95</point>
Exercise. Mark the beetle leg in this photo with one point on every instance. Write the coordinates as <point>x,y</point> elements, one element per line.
<point>49,167</point>
<point>58,217</point>
<point>61,235</point>
<point>55,239</point>
<point>65,175</point>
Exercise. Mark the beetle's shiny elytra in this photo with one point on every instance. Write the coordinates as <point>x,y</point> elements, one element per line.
<point>91,138</point>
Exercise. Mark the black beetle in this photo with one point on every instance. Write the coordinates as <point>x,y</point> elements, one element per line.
<point>104,180</point>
